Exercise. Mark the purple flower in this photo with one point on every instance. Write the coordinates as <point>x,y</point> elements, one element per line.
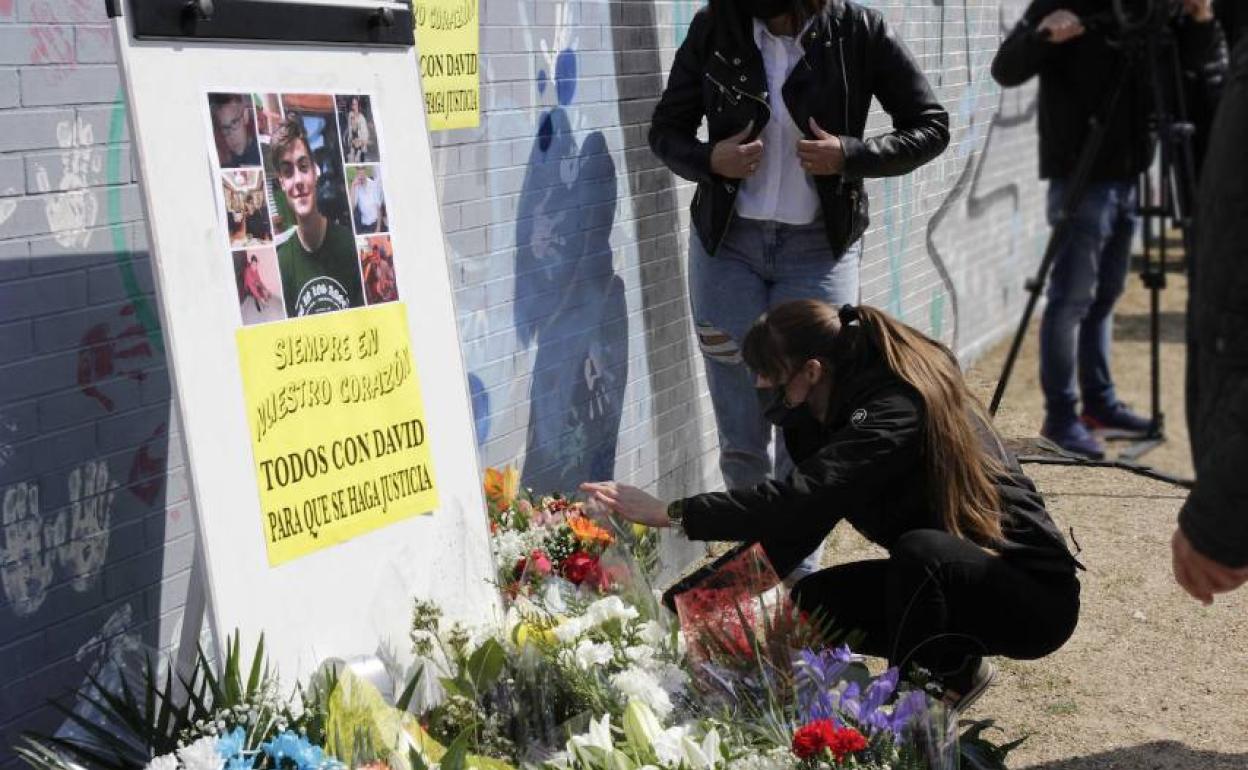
<point>912,705</point>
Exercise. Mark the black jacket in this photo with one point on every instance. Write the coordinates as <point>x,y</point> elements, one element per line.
<point>866,466</point>
<point>1077,78</point>
<point>851,56</point>
<point>1215,517</point>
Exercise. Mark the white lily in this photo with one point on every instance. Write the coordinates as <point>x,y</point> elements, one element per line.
<point>598,737</point>
<point>641,728</point>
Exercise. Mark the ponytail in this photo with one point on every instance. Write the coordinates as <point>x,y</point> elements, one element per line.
<point>959,472</point>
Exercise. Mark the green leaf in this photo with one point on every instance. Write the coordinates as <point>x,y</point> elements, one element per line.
<point>455,687</point>
<point>485,666</point>
<point>405,699</point>
<point>257,662</point>
<point>416,760</point>
<point>457,752</point>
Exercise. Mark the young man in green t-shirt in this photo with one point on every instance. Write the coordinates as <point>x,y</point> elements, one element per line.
<point>320,272</point>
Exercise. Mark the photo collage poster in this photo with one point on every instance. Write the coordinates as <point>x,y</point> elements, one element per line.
<point>302,191</point>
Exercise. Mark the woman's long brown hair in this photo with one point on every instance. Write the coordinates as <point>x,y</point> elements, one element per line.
<point>959,472</point>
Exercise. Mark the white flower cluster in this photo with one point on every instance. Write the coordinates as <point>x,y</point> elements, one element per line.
<point>775,759</point>
<point>602,611</point>
<point>510,546</point>
<point>200,755</point>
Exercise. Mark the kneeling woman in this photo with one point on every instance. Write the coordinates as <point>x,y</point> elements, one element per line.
<point>885,434</point>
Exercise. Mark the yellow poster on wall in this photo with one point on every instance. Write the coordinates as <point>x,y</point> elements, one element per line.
<point>337,427</point>
<point>448,40</point>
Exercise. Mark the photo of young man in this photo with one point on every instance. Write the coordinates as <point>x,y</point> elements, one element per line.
<point>234,130</point>
<point>320,272</point>
<point>368,206</point>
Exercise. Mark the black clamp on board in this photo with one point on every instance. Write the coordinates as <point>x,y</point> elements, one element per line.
<point>270,21</point>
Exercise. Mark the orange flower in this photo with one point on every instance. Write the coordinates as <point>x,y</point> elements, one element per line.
<point>588,532</point>
<point>501,486</point>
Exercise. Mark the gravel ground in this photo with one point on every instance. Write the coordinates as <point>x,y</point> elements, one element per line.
<point>1151,680</point>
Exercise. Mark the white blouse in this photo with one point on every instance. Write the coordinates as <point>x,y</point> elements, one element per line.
<point>780,190</point>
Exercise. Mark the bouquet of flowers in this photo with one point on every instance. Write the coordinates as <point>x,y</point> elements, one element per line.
<point>539,539</point>
<point>586,671</point>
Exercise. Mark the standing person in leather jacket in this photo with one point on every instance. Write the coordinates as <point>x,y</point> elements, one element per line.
<point>784,87</point>
<point>1069,44</point>
<point>886,435</point>
<point>1211,543</point>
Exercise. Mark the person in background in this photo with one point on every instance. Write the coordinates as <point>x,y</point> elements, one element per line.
<point>886,435</point>
<point>784,87</point>
<point>1210,545</point>
<point>1077,71</point>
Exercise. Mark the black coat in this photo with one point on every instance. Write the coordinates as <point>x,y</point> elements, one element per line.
<point>1215,517</point>
<point>866,466</point>
<point>850,56</point>
<point>1077,78</point>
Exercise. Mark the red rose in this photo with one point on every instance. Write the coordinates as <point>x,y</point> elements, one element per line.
<point>846,741</point>
<point>580,566</point>
<point>811,739</point>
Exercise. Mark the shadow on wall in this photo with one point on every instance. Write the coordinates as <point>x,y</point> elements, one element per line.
<point>1160,755</point>
<point>84,452</point>
<point>570,304</point>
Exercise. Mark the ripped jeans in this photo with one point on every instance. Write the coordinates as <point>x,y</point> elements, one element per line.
<point>758,265</point>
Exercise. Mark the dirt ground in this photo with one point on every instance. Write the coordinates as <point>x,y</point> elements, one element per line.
<point>1151,680</point>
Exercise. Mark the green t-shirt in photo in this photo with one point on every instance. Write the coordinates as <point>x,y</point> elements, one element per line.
<point>324,280</point>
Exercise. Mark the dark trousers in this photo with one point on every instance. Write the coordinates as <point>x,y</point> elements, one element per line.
<point>941,602</point>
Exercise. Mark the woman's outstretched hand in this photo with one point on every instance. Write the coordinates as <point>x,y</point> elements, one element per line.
<point>629,502</point>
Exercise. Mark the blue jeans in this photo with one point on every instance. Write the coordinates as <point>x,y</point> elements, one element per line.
<point>758,265</point>
<point>1088,276</point>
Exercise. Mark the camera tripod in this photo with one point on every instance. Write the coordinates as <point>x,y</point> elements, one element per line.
<point>1168,201</point>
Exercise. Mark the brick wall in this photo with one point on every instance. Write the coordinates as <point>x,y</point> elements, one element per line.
<point>566,242</point>
<point>96,533</point>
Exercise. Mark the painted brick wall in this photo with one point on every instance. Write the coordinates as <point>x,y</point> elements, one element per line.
<point>96,533</point>
<point>566,242</point>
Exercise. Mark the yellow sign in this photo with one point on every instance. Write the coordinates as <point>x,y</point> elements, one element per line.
<point>448,39</point>
<point>337,427</point>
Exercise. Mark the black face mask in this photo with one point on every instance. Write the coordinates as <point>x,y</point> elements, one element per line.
<point>777,411</point>
<point>767,9</point>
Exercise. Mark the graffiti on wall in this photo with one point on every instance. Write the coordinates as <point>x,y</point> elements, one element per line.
<point>68,493</point>
<point>569,302</point>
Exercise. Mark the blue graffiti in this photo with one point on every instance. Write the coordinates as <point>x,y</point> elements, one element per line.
<point>570,303</point>
<point>480,408</point>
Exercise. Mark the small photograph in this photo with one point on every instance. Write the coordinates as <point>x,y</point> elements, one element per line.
<point>359,134</point>
<point>246,207</point>
<point>234,130</point>
<point>259,285</point>
<point>268,116</point>
<point>377,265</point>
<point>305,165</point>
<point>368,204</point>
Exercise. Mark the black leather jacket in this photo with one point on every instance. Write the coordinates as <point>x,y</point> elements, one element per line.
<point>1078,76</point>
<point>1215,518</point>
<point>866,466</point>
<point>850,56</point>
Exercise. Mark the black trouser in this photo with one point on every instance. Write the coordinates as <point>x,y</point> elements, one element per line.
<point>941,602</point>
